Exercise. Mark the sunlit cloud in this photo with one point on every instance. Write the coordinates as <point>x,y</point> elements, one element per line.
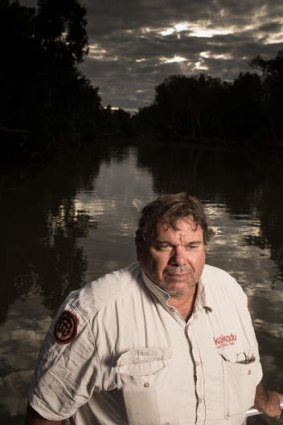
<point>146,30</point>
<point>167,31</point>
<point>176,28</point>
<point>211,55</point>
<point>191,29</point>
<point>205,32</point>
<point>206,29</point>
<point>273,38</point>
<point>172,60</point>
<point>200,66</point>
<point>96,52</point>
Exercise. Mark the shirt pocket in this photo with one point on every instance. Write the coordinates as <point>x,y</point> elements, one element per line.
<point>140,373</point>
<point>240,381</point>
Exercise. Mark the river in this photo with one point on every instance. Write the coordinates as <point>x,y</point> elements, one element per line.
<point>69,220</point>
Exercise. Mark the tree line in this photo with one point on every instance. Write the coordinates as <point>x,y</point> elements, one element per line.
<point>47,103</point>
<point>205,108</point>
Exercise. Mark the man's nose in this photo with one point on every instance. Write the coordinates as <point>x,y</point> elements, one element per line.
<point>178,256</point>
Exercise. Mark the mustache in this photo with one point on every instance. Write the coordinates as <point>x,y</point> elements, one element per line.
<point>178,269</point>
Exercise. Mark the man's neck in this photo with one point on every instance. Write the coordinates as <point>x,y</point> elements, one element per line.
<point>185,303</point>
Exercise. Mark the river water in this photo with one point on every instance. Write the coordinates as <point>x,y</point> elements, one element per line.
<point>67,221</point>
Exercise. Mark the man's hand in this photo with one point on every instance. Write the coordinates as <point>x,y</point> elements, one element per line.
<point>268,402</point>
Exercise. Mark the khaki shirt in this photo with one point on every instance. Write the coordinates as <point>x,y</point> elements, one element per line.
<point>129,358</point>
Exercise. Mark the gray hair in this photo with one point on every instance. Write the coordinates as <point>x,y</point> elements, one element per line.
<point>168,209</point>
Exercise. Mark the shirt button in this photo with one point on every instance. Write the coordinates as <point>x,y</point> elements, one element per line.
<point>146,384</point>
<point>249,372</point>
<point>197,363</point>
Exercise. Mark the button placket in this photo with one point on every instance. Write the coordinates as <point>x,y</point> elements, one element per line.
<point>199,377</point>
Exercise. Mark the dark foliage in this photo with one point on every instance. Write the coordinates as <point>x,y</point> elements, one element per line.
<point>46,104</point>
<point>205,109</point>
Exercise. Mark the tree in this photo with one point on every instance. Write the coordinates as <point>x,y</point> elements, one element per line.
<point>269,66</point>
<point>245,106</point>
<point>146,122</point>
<point>18,48</point>
<point>272,71</point>
<point>187,105</point>
<point>61,27</point>
<point>41,88</point>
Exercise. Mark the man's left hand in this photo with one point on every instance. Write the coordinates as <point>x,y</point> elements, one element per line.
<point>268,402</point>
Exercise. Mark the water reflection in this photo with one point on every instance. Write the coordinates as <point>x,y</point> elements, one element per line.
<point>39,227</point>
<point>121,189</point>
<point>247,184</point>
<point>69,221</point>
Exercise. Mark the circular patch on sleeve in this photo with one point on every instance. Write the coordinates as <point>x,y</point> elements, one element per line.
<point>65,330</point>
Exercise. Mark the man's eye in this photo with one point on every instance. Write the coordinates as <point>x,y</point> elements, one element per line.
<point>163,247</point>
<point>192,247</point>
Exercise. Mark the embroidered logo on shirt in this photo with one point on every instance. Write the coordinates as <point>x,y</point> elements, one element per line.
<point>224,340</point>
<point>65,329</point>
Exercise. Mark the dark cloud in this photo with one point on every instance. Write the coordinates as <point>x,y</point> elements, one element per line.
<point>275,27</point>
<point>134,47</point>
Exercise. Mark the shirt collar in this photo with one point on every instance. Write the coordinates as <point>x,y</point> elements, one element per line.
<point>203,298</point>
<point>159,293</point>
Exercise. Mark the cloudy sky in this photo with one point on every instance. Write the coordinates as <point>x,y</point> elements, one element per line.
<point>135,44</point>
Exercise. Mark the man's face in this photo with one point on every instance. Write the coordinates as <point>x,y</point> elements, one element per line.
<point>175,258</point>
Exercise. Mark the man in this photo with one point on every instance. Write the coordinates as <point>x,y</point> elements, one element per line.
<point>167,340</point>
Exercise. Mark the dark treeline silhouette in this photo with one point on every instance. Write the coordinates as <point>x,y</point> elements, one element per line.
<point>202,108</point>
<point>43,96</point>
<point>47,104</point>
<point>41,247</point>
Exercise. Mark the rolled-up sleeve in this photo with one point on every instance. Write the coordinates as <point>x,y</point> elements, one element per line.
<point>67,370</point>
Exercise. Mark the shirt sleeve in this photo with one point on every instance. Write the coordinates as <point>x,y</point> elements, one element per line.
<point>67,370</point>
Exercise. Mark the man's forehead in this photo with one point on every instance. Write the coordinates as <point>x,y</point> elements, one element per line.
<point>180,224</point>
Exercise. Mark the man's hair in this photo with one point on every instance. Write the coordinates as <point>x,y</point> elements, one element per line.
<point>168,209</point>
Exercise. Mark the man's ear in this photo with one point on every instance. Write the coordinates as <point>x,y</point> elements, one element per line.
<point>140,252</point>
